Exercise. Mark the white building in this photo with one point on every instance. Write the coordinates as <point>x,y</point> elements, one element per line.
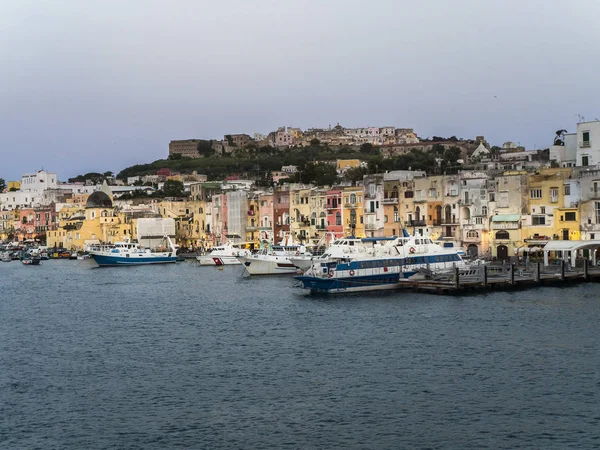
<point>588,143</point>
<point>38,181</point>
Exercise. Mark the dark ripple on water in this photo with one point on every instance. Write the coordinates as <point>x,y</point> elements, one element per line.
<point>181,356</point>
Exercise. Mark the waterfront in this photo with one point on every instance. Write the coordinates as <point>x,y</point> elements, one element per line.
<point>183,356</point>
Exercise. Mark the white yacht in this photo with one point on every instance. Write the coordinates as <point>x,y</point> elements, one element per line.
<point>223,255</point>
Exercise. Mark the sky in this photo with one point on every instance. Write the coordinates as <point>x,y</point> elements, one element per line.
<point>101,85</point>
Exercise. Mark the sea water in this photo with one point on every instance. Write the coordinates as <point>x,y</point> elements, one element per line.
<point>180,356</point>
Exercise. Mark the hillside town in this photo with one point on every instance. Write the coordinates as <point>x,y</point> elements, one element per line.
<point>501,202</point>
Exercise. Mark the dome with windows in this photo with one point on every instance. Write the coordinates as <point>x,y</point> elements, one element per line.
<point>99,199</point>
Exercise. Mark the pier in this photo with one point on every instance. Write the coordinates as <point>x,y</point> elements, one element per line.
<point>497,277</point>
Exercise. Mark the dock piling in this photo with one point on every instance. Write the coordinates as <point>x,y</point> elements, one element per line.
<point>485,281</point>
<point>456,278</point>
<point>512,274</point>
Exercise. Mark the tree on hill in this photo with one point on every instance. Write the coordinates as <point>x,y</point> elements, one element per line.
<point>2,184</point>
<point>315,142</point>
<point>320,174</point>
<point>173,188</point>
<point>367,149</point>
<point>355,174</point>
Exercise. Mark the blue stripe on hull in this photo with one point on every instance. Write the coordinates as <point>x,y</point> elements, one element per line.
<point>365,283</point>
<point>104,261</point>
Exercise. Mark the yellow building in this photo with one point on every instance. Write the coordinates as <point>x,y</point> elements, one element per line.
<point>96,223</point>
<point>190,219</point>
<point>344,164</point>
<point>253,224</point>
<point>300,213</point>
<point>13,186</point>
<point>547,216</point>
<point>352,211</point>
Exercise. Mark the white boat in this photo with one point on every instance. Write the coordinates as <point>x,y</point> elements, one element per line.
<point>131,254</point>
<point>383,268</point>
<point>275,260</point>
<point>6,257</point>
<point>342,248</point>
<point>222,255</point>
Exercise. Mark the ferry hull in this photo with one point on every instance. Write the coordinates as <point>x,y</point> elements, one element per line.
<point>276,266</point>
<point>108,261</point>
<point>365,283</point>
<point>208,260</point>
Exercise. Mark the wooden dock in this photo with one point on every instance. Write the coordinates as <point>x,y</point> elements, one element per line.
<point>506,277</point>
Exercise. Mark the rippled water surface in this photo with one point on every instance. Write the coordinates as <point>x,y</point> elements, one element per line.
<point>183,356</point>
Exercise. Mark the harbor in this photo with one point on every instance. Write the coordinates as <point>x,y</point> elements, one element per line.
<point>495,277</point>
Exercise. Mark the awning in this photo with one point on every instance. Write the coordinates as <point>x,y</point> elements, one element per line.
<point>506,218</point>
<point>570,246</point>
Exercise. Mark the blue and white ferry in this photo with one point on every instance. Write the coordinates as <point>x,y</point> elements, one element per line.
<point>384,267</point>
<point>131,254</point>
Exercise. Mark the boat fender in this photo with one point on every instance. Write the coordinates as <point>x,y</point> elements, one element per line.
<point>331,273</point>
<point>351,273</point>
<point>412,250</point>
<point>297,253</point>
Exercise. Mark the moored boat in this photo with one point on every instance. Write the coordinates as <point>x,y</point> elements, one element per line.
<point>223,255</point>
<point>31,261</point>
<point>384,268</point>
<point>131,254</point>
<point>275,260</point>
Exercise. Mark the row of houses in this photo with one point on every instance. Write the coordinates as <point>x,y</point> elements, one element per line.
<point>494,216</point>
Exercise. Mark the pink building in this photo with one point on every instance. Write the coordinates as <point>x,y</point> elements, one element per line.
<point>281,214</point>
<point>266,210</point>
<point>334,212</point>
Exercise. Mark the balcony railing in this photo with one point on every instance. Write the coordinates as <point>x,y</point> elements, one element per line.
<point>251,228</point>
<point>506,226</point>
<point>416,223</point>
<point>350,205</point>
<point>390,201</point>
<point>585,144</point>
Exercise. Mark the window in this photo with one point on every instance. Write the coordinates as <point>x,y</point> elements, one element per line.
<point>542,209</point>
<point>567,189</point>
<point>352,198</point>
<point>479,220</point>
<point>597,209</point>
<point>472,234</point>
<point>385,219</point>
<point>408,194</point>
<point>484,210</point>
<point>502,234</point>
<point>397,218</point>
<point>432,193</point>
<point>570,216</point>
<point>585,160</point>
<point>535,193</point>
<point>585,136</point>
<point>538,220</point>
<point>554,194</point>
<point>338,218</point>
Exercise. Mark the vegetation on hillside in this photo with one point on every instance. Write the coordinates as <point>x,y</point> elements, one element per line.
<point>259,162</point>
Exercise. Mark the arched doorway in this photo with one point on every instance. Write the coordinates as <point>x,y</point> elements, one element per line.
<point>438,215</point>
<point>502,252</point>
<point>472,251</point>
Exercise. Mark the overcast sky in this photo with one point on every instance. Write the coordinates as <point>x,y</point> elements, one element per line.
<point>100,85</point>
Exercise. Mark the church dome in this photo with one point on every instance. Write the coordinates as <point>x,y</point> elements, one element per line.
<point>98,199</point>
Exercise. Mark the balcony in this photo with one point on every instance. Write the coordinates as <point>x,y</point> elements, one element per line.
<point>350,205</point>
<point>594,193</point>
<point>368,212</point>
<point>416,223</point>
<point>251,228</point>
<point>585,144</point>
<point>251,212</point>
<point>420,199</point>
<point>506,226</point>
<point>373,226</point>
<point>390,201</point>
